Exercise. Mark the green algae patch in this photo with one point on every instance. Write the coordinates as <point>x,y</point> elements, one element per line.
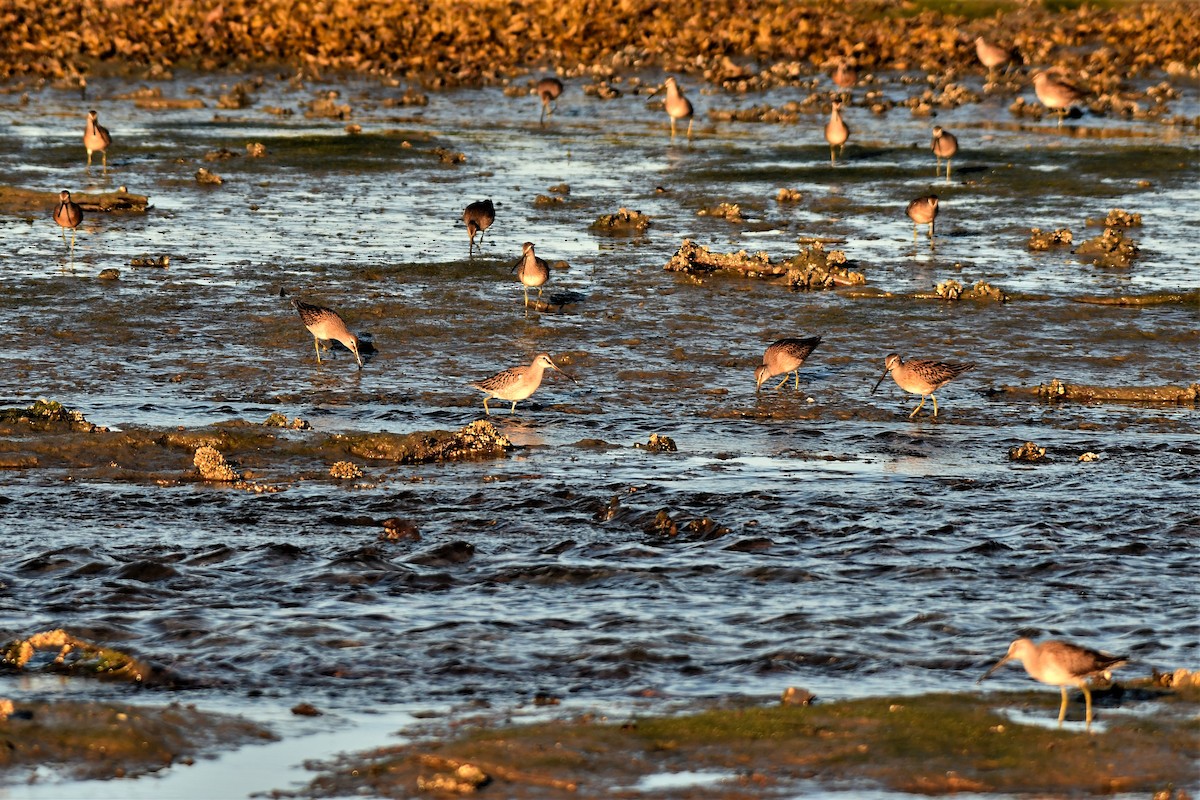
<point>89,741</point>
<point>44,415</point>
<point>931,744</point>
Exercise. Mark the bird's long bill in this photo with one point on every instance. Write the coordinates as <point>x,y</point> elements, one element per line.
<point>656,91</point>
<point>560,372</point>
<point>519,260</point>
<point>876,386</point>
<point>995,667</point>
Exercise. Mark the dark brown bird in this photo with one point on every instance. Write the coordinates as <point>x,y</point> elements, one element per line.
<point>68,215</point>
<point>478,216</point>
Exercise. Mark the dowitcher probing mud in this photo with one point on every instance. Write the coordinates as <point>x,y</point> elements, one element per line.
<point>677,106</point>
<point>548,89</point>
<point>921,376</point>
<point>325,325</point>
<point>516,383</point>
<point>532,271</point>
<point>96,139</point>
<point>1056,93</point>
<point>1060,664</point>
<point>945,145</point>
<point>478,216</point>
<point>836,131</point>
<point>923,211</point>
<point>68,214</point>
<point>784,357</point>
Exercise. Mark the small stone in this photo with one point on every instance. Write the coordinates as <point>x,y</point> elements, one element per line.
<point>396,529</point>
<point>1027,452</point>
<point>109,274</point>
<point>306,710</point>
<point>345,470</point>
<point>208,178</point>
<point>1090,456</point>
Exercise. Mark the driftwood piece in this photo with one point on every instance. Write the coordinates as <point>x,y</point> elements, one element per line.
<point>1080,393</point>
<point>1155,299</point>
<point>16,200</point>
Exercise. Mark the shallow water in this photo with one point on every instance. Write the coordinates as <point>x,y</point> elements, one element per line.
<point>865,553</point>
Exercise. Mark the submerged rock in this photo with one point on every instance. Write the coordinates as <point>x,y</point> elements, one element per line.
<point>813,268</point>
<point>1044,240</point>
<point>1027,452</point>
<point>1111,249</point>
<point>622,222</point>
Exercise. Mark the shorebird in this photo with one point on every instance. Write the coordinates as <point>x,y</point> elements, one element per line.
<point>945,145</point>
<point>478,216</point>
<point>532,271</point>
<point>784,357</point>
<point>325,325</point>
<point>991,56</point>
<point>68,215</point>
<point>1056,94</point>
<point>836,132</point>
<point>921,376</point>
<point>548,89</point>
<point>678,107</point>
<point>96,139</point>
<point>516,383</point>
<point>1060,664</point>
<point>923,211</point>
<point>844,74</point>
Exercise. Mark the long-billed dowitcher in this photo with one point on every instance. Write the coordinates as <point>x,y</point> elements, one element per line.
<point>532,271</point>
<point>478,216</point>
<point>516,383</point>
<point>548,89</point>
<point>836,132</point>
<point>991,56</point>
<point>326,325</point>
<point>844,75</point>
<point>68,214</point>
<point>784,357</point>
<point>923,211</point>
<point>1056,93</point>
<point>921,376</point>
<point>945,145</point>
<point>677,106</point>
<point>96,139</point>
<point>1061,664</point>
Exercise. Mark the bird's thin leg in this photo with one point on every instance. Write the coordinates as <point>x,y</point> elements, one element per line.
<point>947,170</point>
<point>934,399</point>
<point>486,410</point>
<point>672,127</point>
<point>832,161</point>
<point>513,410</point>
<point>782,382</point>
<point>1087,699</point>
<point>797,372</point>
<point>527,297</point>
<point>937,169</point>
<point>317,348</point>
<point>1062,711</point>
<point>689,133</point>
<point>104,158</point>
<point>918,408</point>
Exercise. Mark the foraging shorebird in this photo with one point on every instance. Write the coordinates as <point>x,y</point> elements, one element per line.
<point>548,89</point>
<point>532,271</point>
<point>921,376</point>
<point>68,214</point>
<point>96,139</point>
<point>478,216</point>
<point>1056,94</point>
<point>678,107</point>
<point>991,56</point>
<point>326,325</point>
<point>516,383</point>
<point>945,145</point>
<point>923,211</point>
<point>1061,664</point>
<point>784,357</point>
<point>844,75</point>
<point>836,132</point>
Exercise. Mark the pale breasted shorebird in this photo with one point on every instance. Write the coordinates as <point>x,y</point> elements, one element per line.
<point>677,106</point>
<point>844,75</point>
<point>325,325</point>
<point>923,211</point>
<point>784,357</point>
<point>478,216</point>
<point>532,271</point>
<point>516,383</point>
<point>68,214</point>
<point>548,89</point>
<point>991,56</point>
<point>836,132</point>
<point>945,145</point>
<point>1056,93</point>
<point>1061,664</point>
<point>921,376</point>
<point>96,139</point>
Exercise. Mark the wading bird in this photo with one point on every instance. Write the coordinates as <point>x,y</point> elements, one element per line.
<point>677,106</point>
<point>478,216</point>
<point>923,211</point>
<point>945,145</point>
<point>921,376</point>
<point>784,357</point>
<point>326,325</point>
<point>516,383</point>
<point>836,132</point>
<point>96,139</point>
<point>68,214</point>
<point>548,89</point>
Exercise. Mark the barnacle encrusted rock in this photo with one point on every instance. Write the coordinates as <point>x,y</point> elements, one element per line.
<point>213,466</point>
<point>1111,249</point>
<point>624,221</point>
<point>1044,240</point>
<point>813,268</point>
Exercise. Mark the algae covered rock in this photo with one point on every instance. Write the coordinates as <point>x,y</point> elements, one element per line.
<point>1113,248</point>
<point>622,222</point>
<point>813,268</point>
<point>1044,240</point>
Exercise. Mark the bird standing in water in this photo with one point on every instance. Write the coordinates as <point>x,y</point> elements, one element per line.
<point>991,56</point>
<point>549,89</point>
<point>945,145</point>
<point>532,271</point>
<point>96,139</point>
<point>836,132</point>
<point>326,325</point>
<point>1056,93</point>
<point>478,216</point>
<point>677,106</point>
<point>68,214</point>
<point>516,383</point>
<point>1060,664</point>
<point>785,357</point>
<point>923,211</point>
<point>921,376</point>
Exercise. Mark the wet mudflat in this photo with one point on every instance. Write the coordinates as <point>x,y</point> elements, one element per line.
<point>815,537</point>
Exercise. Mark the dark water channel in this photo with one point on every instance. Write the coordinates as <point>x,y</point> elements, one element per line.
<point>850,551</point>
